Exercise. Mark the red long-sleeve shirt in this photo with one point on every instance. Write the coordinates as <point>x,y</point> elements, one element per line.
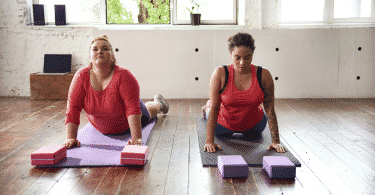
<point>107,110</point>
<point>241,110</point>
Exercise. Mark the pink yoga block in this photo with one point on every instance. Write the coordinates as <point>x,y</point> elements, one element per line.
<point>48,155</point>
<point>279,167</point>
<point>134,155</point>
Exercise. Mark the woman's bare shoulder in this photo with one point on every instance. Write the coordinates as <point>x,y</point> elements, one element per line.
<point>219,69</point>
<point>265,71</point>
<point>219,73</point>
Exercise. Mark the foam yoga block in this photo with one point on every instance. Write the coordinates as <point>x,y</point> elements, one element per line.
<point>134,155</point>
<point>232,166</point>
<point>279,167</point>
<point>48,155</point>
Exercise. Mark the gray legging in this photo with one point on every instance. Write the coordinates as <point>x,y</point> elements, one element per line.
<point>252,133</point>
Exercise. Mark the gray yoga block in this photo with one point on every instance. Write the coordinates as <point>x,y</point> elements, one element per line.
<point>279,167</point>
<point>232,166</point>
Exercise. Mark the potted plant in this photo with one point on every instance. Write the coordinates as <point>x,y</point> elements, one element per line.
<point>195,16</point>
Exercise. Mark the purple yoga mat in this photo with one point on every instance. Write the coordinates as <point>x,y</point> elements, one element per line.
<point>98,149</point>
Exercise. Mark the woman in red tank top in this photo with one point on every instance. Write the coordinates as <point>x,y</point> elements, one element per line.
<point>236,105</point>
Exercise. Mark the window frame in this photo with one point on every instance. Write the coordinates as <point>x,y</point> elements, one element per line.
<point>205,22</point>
<point>173,16</point>
<point>103,15</point>
<point>138,24</point>
<point>328,17</point>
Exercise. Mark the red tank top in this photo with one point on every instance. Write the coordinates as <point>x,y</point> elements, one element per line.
<point>241,110</point>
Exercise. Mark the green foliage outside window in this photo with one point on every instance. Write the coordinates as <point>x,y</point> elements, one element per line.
<point>117,14</point>
<point>150,12</point>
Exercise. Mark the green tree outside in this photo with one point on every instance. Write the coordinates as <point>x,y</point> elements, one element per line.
<point>155,12</point>
<point>158,12</point>
<point>118,14</point>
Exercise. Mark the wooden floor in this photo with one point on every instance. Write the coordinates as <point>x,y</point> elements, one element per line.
<point>334,139</point>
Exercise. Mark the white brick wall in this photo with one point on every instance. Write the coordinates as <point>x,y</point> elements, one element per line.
<point>22,48</point>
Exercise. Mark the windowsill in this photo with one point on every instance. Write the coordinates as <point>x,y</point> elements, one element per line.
<point>200,27</point>
<point>143,27</point>
<point>336,25</point>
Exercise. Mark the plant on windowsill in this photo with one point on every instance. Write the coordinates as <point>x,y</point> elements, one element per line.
<point>195,16</point>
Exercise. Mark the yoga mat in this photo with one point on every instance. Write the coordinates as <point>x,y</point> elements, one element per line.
<point>251,150</point>
<point>98,149</point>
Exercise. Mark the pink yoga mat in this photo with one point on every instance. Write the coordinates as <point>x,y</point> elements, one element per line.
<point>98,149</point>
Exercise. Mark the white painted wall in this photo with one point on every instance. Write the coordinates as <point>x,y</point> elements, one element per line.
<point>321,63</point>
<point>310,63</point>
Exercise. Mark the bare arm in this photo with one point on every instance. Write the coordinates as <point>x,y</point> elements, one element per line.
<point>269,105</point>
<point>215,86</point>
<point>135,128</point>
<point>71,135</point>
<point>71,131</point>
<point>211,123</point>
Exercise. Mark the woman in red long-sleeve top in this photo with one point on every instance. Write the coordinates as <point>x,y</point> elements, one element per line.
<point>235,106</point>
<point>110,95</point>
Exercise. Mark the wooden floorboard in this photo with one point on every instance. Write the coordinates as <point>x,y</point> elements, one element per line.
<point>159,165</point>
<point>67,181</point>
<point>133,180</point>
<point>334,139</point>
<point>17,163</point>
<point>304,175</point>
<point>177,180</point>
<point>27,129</point>
<point>329,148</point>
<point>332,181</point>
<point>53,134</point>
<point>327,125</point>
<point>24,109</point>
<point>199,179</point>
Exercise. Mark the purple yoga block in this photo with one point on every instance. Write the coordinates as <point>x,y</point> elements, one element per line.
<point>232,166</point>
<point>279,167</point>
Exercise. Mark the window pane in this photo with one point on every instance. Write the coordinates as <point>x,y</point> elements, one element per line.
<point>352,8</point>
<point>134,12</point>
<point>301,10</point>
<point>209,9</point>
<point>77,11</point>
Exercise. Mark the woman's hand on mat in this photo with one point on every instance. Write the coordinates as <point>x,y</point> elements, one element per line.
<point>135,142</point>
<point>278,147</point>
<point>71,142</point>
<point>211,147</point>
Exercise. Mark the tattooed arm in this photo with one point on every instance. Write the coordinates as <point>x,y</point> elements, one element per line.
<point>269,107</point>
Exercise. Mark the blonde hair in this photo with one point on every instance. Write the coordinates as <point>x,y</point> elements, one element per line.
<point>104,38</point>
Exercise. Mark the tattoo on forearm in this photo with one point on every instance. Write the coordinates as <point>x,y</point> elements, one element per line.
<point>274,128</point>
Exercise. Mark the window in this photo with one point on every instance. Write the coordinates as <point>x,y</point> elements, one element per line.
<point>138,11</point>
<point>352,8</point>
<point>160,11</point>
<point>212,11</point>
<point>326,11</point>
<point>94,12</point>
<point>76,11</point>
<point>300,11</point>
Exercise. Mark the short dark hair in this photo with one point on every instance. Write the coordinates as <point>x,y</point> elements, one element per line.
<point>241,39</point>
